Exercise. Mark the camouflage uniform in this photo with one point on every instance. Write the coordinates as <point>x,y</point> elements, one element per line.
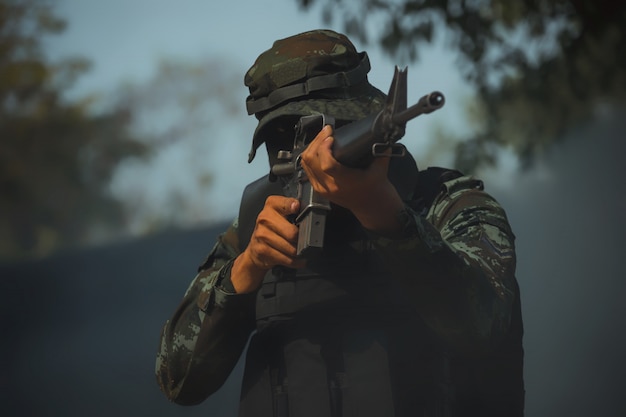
<point>456,261</point>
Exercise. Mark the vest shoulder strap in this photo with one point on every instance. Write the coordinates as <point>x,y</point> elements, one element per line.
<point>430,183</point>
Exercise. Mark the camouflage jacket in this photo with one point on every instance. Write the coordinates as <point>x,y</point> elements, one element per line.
<point>457,263</point>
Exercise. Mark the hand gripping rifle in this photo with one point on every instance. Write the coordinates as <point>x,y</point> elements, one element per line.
<point>355,145</point>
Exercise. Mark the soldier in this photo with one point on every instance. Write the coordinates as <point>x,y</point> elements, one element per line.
<point>412,309</point>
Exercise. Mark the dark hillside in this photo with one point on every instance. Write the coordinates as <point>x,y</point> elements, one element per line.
<point>80,329</point>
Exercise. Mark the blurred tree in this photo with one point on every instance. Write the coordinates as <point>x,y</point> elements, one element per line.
<point>540,67</point>
<point>56,158</point>
<point>183,111</point>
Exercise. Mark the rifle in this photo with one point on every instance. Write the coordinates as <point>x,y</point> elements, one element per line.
<point>355,145</point>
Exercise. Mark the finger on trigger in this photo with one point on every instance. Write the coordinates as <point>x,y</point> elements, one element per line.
<point>294,206</point>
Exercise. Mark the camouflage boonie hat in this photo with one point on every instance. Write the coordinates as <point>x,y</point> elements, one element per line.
<point>313,72</point>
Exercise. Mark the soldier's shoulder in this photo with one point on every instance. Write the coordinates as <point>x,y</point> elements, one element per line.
<point>463,193</point>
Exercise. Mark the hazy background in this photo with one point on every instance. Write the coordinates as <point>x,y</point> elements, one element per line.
<point>81,321</point>
<point>126,41</point>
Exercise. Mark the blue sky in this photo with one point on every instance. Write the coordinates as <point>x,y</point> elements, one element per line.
<point>125,40</point>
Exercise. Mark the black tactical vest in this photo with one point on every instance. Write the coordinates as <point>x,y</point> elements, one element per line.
<point>337,338</point>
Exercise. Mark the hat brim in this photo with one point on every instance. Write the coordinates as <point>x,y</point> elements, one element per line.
<point>342,109</point>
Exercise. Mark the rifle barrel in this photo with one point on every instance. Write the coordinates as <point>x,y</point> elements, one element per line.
<point>426,104</point>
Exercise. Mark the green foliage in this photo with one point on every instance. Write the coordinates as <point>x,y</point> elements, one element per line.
<point>56,158</point>
<point>540,67</point>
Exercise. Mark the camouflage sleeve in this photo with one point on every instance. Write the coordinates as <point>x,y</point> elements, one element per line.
<point>203,340</point>
<point>458,263</point>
